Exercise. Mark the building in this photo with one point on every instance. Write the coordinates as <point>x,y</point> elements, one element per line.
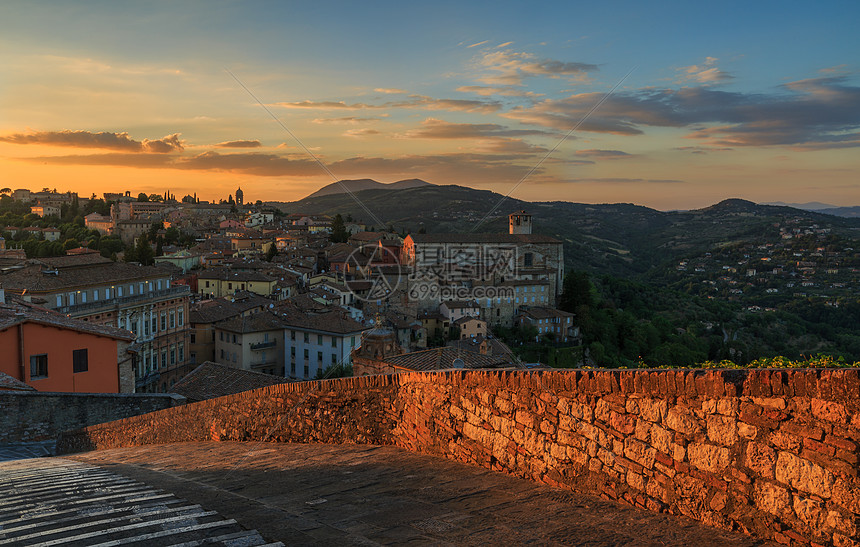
<point>314,342</point>
<point>52,352</point>
<point>128,296</point>
<point>252,342</point>
<point>51,234</point>
<point>520,223</point>
<point>21,194</point>
<point>45,210</point>
<point>96,221</point>
<point>424,361</point>
<point>218,282</point>
<point>551,322</point>
<point>204,314</point>
<point>471,327</point>
<point>240,197</point>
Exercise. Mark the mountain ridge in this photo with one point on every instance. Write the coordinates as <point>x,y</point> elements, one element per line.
<point>358,185</point>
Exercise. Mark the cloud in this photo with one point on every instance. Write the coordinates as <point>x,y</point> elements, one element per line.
<point>421,102</point>
<point>105,140</point>
<point>807,114</point>
<point>506,44</point>
<point>433,128</point>
<point>390,91</point>
<point>701,149</point>
<point>345,120</point>
<point>457,167</point>
<point>239,144</point>
<point>705,74</point>
<point>487,91</point>
<point>621,180</point>
<point>508,67</point>
<point>604,154</point>
<point>478,44</point>
<point>361,132</point>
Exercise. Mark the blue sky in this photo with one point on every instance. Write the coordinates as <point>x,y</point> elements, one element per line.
<point>757,100</point>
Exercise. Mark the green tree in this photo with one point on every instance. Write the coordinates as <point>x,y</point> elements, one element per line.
<point>142,197</point>
<point>338,230</point>
<point>272,252</point>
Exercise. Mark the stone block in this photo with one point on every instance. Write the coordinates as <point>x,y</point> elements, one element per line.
<point>707,457</point>
<point>639,452</point>
<point>772,499</point>
<point>829,411</point>
<point>804,475</point>
<point>682,420</point>
<point>747,431</point>
<point>722,430</point>
<point>760,458</point>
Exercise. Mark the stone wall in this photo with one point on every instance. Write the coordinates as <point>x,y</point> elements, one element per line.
<point>31,416</point>
<point>772,453</point>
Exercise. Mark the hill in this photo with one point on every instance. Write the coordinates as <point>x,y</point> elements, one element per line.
<point>366,184</point>
<point>620,239</point>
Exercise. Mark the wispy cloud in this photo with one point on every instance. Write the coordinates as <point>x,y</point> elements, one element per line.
<point>604,154</point>
<point>433,128</point>
<point>418,102</point>
<point>346,120</point>
<point>366,132</point>
<point>477,44</point>
<point>239,144</point>
<point>390,91</point>
<point>106,140</point>
<point>622,180</point>
<point>705,74</point>
<point>807,114</point>
<point>488,91</point>
<point>508,67</point>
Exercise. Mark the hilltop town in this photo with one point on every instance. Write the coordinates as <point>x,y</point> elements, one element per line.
<point>144,288</point>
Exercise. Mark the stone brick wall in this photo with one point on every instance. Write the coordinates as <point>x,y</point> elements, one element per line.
<point>39,416</point>
<point>772,453</point>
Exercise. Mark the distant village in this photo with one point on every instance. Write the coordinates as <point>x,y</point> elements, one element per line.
<point>803,261</point>
<point>257,291</point>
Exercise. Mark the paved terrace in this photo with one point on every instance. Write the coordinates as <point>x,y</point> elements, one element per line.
<point>312,494</point>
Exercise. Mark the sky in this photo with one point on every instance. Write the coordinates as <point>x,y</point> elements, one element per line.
<point>672,105</point>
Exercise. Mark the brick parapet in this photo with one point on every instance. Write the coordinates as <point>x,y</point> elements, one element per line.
<point>771,453</point>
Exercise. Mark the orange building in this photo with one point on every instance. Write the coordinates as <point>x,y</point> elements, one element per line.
<point>53,352</point>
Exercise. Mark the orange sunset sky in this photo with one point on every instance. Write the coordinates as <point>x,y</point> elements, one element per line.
<point>759,102</point>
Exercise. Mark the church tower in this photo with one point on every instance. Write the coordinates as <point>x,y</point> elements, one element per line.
<point>240,197</point>
<point>520,223</point>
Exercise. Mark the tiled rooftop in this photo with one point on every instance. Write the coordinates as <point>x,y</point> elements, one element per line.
<point>211,380</point>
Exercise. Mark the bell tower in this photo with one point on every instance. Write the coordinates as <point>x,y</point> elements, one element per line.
<point>520,223</point>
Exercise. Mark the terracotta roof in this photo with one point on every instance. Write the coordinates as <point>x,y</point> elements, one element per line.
<point>335,321</point>
<point>544,313</point>
<point>210,380</point>
<point>224,274</point>
<point>255,322</point>
<point>16,311</point>
<point>8,383</point>
<point>443,358</point>
<point>483,238</point>
<point>32,278</point>
<point>210,311</point>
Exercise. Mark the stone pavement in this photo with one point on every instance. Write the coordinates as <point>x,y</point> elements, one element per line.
<point>367,495</point>
<point>54,501</point>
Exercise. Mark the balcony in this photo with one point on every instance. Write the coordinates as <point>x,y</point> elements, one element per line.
<point>123,301</point>
<point>263,345</point>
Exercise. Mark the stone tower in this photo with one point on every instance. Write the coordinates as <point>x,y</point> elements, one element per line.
<point>240,197</point>
<point>520,223</point>
<point>377,345</point>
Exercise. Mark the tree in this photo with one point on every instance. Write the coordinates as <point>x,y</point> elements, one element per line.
<point>156,197</point>
<point>159,245</point>
<point>272,252</point>
<point>577,292</point>
<point>142,197</point>
<point>338,230</point>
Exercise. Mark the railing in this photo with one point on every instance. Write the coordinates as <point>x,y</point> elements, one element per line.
<point>263,345</point>
<point>117,302</point>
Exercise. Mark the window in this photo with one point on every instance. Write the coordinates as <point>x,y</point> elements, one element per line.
<point>39,366</point>
<point>229,286</point>
<point>293,352</point>
<point>528,259</point>
<point>207,284</point>
<point>95,294</point>
<point>59,300</point>
<point>352,341</point>
<point>164,358</point>
<point>234,339</point>
<point>319,357</point>
<point>154,325</point>
<point>221,335</point>
<point>119,292</point>
<point>333,359</point>
<point>222,353</point>
<point>140,288</point>
<point>131,289</point>
<point>306,355</point>
<point>265,337</point>
<point>172,319</point>
<point>84,297</point>
<point>193,338</point>
<point>181,317</point>
<point>163,321</point>
<point>319,339</point>
<point>172,355</point>
<point>159,285</point>
<point>292,335</point>
<point>333,342</point>
<point>145,327</point>
<point>71,299</point>
<point>306,370</point>
<point>80,362</point>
